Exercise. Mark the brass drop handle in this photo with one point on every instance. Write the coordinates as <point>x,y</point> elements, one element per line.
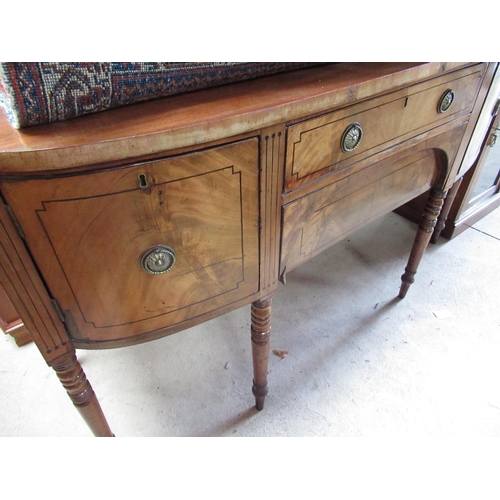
<point>446,101</point>
<point>158,259</point>
<point>351,138</point>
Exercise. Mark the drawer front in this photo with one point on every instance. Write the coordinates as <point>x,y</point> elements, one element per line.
<point>316,147</point>
<point>90,236</point>
<point>314,222</point>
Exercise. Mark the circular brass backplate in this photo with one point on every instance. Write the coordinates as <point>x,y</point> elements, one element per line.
<point>446,101</point>
<point>351,137</point>
<point>158,259</point>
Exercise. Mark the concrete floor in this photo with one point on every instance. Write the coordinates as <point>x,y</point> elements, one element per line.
<point>360,362</point>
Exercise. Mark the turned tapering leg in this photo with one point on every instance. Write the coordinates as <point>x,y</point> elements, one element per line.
<point>261,332</point>
<point>75,382</point>
<point>424,233</point>
<point>448,202</point>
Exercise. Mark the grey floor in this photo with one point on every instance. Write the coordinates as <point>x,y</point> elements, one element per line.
<point>360,361</point>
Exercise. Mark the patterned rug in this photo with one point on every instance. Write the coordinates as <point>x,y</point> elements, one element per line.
<point>42,92</point>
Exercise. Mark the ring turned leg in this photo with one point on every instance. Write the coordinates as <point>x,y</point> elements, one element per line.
<point>448,202</point>
<point>261,332</point>
<point>72,377</point>
<point>424,233</point>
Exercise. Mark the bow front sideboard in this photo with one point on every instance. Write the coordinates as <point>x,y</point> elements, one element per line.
<point>131,224</point>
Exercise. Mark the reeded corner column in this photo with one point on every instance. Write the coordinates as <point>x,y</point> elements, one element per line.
<point>74,380</point>
<point>424,233</point>
<point>261,332</point>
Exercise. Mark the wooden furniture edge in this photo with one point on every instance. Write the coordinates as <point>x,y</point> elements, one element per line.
<point>169,123</point>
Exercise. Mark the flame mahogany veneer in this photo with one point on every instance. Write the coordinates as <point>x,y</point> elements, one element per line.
<point>241,182</point>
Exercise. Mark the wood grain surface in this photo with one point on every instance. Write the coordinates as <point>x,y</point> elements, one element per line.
<point>88,234</point>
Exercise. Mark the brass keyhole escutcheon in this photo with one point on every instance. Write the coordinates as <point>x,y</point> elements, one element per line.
<point>446,101</point>
<point>143,181</point>
<point>351,137</point>
<point>158,259</point>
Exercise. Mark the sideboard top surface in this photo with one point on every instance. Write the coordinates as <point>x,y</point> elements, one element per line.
<point>203,116</point>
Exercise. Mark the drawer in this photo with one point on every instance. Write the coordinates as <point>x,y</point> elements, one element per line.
<point>314,222</point>
<point>339,139</point>
<point>90,236</point>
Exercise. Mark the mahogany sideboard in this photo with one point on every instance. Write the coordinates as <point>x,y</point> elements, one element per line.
<point>131,224</point>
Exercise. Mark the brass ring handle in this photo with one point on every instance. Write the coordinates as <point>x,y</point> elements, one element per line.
<point>446,101</point>
<point>351,137</point>
<point>158,259</point>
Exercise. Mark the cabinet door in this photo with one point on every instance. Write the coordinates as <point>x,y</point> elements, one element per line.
<point>90,236</point>
<point>486,181</point>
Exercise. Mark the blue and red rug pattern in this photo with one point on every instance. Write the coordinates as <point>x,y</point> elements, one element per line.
<point>35,93</point>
